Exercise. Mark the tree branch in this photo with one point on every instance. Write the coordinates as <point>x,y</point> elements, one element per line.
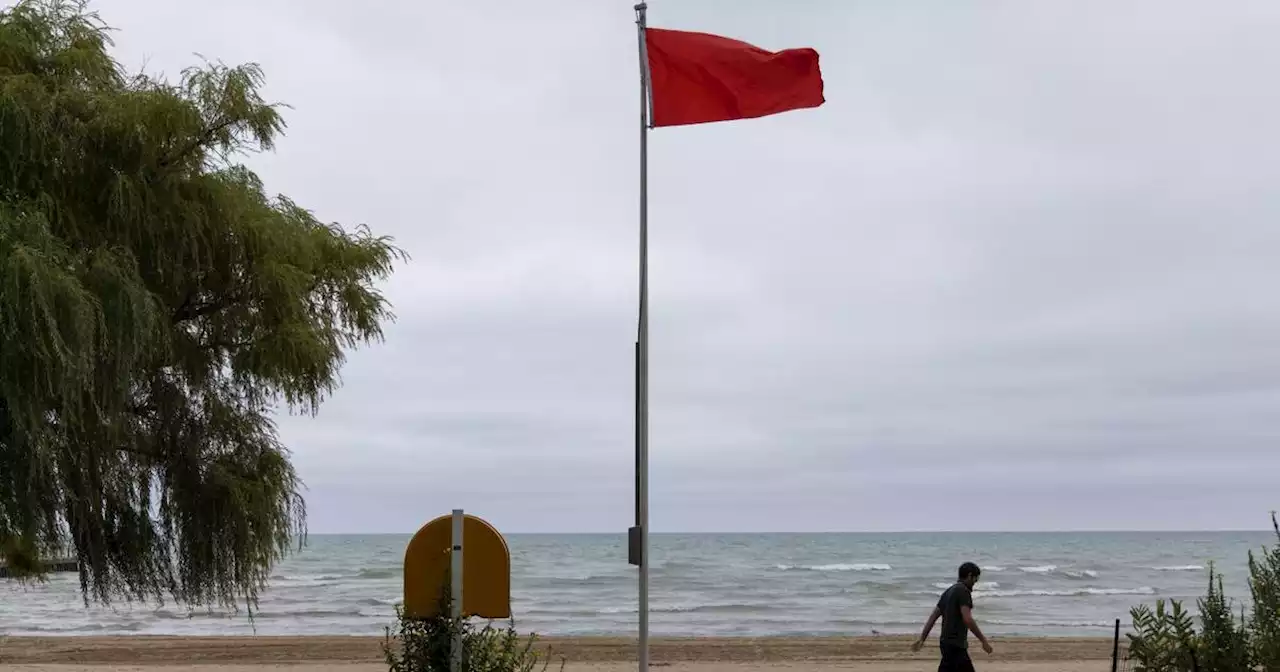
<point>189,310</point>
<point>203,139</point>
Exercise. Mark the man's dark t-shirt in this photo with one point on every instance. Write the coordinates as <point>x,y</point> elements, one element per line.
<point>954,632</point>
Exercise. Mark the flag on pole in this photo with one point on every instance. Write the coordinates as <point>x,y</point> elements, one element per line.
<point>695,78</point>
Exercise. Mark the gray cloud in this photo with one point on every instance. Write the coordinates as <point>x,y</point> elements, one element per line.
<point>1015,274</point>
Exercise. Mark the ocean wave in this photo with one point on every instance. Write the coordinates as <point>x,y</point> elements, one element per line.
<point>983,587</point>
<point>308,579</point>
<point>309,613</point>
<point>1052,624</point>
<point>839,567</point>
<point>676,566</point>
<point>1180,568</point>
<point>1078,592</point>
<point>314,579</point>
<point>558,615</point>
<point>381,573</point>
<point>1037,592</point>
<point>1054,569</point>
<point>131,626</point>
<point>727,608</point>
<point>377,602</point>
<point>993,568</point>
<point>582,580</point>
<point>269,611</point>
<point>193,614</point>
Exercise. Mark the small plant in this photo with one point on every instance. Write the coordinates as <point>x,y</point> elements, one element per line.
<point>1163,640</point>
<point>1264,587</point>
<point>425,644</point>
<point>1223,645</point>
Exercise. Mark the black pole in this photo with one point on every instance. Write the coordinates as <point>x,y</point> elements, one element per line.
<point>634,542</point>
<point>638,422</point>
<point>1115,649</point>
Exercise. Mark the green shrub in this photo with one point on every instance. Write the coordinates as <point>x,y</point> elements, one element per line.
<point>1163,639</point>
<point>1223,644</point>
<point>424,645</point>
<point>1264,588</point>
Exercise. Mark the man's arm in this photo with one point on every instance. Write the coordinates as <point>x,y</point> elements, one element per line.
<point>966,613</point>
<point>928,627</point>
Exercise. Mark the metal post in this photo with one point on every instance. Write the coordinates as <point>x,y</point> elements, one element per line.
<point>455,593</point>
<point>635,558</point>
<point>1115,649</point>
<point>642,355</point>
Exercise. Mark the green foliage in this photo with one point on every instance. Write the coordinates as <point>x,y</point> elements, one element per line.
<point>21,560</point>
<point>1163,639</point>
<point>156,307</point>
<point>1264,586</point>
<point>424,645</point>
<point>1223,644</point>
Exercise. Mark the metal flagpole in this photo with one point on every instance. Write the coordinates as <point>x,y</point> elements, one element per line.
<point>640,539</point>
<point>455,591</point>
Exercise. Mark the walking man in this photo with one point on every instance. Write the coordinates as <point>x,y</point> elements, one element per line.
<point>956,609</point>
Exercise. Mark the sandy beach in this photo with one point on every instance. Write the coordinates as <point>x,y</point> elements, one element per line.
<point>606,654</point>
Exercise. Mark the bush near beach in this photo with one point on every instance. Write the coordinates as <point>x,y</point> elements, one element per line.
<point>1165,639</point>
<point>425,645</point>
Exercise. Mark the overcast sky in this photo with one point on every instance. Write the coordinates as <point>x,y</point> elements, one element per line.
<point>1019,272</point>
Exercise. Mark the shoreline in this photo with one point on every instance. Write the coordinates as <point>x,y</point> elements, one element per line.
<point>270,650</point>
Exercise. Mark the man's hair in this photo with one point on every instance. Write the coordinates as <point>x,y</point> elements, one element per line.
<point>969,569</point>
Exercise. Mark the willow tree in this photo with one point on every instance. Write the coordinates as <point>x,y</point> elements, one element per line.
<point>156,308</point>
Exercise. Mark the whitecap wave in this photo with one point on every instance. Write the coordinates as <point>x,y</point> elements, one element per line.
<point>982,587</point>
<point>1052,624</point>
<point>1079,592</point>
<point>728,607</point>
<point>839,567</point>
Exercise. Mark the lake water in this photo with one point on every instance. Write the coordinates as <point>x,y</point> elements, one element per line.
<point>709,584</point>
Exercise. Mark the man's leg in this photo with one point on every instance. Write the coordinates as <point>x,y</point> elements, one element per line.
<point>955,659</point>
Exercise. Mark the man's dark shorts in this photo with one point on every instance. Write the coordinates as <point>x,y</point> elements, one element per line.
<point>955,659</point>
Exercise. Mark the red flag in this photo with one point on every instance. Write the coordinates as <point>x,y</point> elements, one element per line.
<point>696,78</point>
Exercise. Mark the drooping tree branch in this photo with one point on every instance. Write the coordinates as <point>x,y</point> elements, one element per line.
<point>155,305</point>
